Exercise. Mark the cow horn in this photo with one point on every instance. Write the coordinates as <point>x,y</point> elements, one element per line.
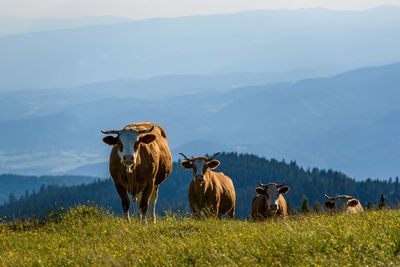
<point>146,131</point>
<point>329,198</point>
<point>281,185</point>
<point>185,157</point>
<point>110,132</point>
<point>215,155</point>
<point>262,185</point>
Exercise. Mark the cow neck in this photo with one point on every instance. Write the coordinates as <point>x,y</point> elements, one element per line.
<point>137,162</point>
<point>202,188</point>
<point>131,170</point>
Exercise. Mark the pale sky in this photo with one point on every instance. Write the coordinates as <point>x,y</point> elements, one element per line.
<point>140,9</point>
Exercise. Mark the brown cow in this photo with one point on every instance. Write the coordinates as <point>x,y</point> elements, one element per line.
<point>269,201</point>
<point>140,161</point>
<point>344,203</point>
<point>210,193</point>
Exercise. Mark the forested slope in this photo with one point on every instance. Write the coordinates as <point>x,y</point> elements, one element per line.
<point>245,171</point>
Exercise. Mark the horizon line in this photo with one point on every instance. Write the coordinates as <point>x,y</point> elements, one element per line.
<point>198,14</point>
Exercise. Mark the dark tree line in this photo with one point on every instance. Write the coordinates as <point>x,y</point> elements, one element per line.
<point>245,171</point>
<point>22,185</point>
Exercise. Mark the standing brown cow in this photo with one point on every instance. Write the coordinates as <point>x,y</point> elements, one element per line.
<point>140,161</point>
<point>210,193</point>
<point>344,203</point>
<point>269,201</point>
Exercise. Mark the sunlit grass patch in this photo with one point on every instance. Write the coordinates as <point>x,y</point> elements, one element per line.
<point>88,235</point>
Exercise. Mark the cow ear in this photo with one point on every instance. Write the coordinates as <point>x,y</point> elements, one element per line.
<point>186,164</point>
<point>148,138</point>
<point>260,190</point>
<point>284,189</point>
<point>212,164</point>
<point>110,140</point>
<point>353,202</point>
<point>329,204</point>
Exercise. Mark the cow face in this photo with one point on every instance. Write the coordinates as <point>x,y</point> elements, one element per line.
<point>200,166</point>
<point>272,192</point>
<point>340,203</point>
<point>127,142</point>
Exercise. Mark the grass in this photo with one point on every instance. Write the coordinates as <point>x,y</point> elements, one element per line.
<point>88,236</point>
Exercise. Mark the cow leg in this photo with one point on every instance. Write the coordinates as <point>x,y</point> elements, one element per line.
<point>216,212</point>
<point>126,203</point>
<point>153,201</point>
<point>231,213</point>
<point>196,214</point>
<point>136,199</point>
<point>144,201</point>
<point>195,211</point>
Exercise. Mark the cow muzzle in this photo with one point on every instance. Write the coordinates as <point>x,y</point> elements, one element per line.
<point>273,207</point>
<point>199,178</point>
<point>127,160</point>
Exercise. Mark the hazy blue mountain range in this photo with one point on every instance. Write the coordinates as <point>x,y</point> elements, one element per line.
<point>349,122</point>
<point>321,40</point>
<point>36,103</point>
<point>19,26</point>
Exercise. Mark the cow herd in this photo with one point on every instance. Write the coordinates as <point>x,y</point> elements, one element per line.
<point>140,161</point>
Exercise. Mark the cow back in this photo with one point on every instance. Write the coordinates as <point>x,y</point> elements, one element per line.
<point>356,209</point>
<point>218,189</point>
<point>282,206</point>
<point>226,192</point>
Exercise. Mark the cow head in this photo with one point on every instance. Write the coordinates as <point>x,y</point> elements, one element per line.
<point>127,142</point>
<point>272,191</point>
<point>340,202</point>
<point>200,166</point>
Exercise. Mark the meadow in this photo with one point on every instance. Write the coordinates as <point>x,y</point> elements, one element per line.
<point>89,236</point>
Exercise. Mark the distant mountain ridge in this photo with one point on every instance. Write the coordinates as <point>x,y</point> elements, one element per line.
<point>348,122</point>
<point>325,41</point>
<point>12,26</point>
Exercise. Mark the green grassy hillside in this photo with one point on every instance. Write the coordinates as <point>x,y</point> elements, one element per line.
<point>87,236</point>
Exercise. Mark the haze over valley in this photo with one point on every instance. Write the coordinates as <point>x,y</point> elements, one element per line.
<point>316,86</point>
